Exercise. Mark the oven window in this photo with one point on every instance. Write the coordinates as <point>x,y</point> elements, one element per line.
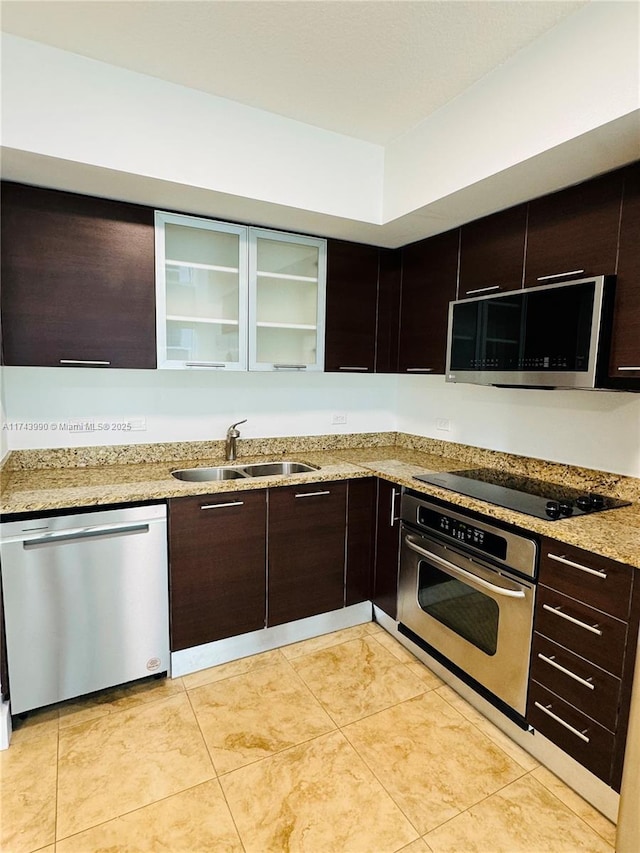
<point>471,614</point>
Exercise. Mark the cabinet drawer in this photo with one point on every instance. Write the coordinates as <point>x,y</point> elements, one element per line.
<point>581,738</point>
<point>601,582</point>
<point>576,680</point>
<point>588,632</point>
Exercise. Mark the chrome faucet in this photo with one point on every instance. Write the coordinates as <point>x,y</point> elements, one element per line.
<point>233,434</point>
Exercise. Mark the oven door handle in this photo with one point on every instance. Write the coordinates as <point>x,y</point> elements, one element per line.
<point>463,573</point>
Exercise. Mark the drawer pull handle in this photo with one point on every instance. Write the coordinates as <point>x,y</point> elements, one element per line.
<point>546,709</point>
<point>419,369</point>
<point>564,561</point>
<point>311,494</point>
<point>628,368</point>
<point>483,289</point>
<point>559,275</point>
<point>552,662</point>
<point>86,361</point>
<point>558,612</point>
<point>220,506</point>
<point>363,369</point>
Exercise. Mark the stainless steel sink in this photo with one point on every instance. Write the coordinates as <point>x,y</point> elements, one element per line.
<point>240,472</point>
<point>271,469</point>
<point>207,475</point>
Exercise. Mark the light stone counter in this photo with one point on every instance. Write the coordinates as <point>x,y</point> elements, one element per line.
<point>38,481</point>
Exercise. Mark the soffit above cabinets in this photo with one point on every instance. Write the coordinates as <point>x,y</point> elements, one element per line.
<point>529,111</point>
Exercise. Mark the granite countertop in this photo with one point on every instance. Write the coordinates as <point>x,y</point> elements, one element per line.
<point>38,481</point>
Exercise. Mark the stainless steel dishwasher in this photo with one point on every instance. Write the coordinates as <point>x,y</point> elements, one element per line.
<point>86,602</point>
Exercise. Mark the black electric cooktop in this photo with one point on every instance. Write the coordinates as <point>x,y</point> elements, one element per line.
<point>550,501</point>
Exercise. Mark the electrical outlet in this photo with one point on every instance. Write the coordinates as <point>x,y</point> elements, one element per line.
<point>443,424</point>
<point>339,419</point>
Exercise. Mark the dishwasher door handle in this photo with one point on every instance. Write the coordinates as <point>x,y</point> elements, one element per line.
<point>89,533</point>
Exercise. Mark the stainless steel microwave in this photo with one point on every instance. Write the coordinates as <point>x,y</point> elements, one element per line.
<point>553,336</point>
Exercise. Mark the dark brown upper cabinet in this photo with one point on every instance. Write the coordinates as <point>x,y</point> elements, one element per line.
<point>78,280</point>
<point>492,253</point>
<point>429,274</point>
<point>388,329</point>
<point>574,233</point>
<point>352,292</point>
<point>624,363</point>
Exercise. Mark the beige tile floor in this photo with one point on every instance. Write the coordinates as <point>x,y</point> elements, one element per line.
<point>341,744</point>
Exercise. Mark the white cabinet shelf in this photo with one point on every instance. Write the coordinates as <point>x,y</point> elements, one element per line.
<point>215,267</point>
<point>215,320</point>
<point>313,279</point>
<point>285,326</point>
<point>232,297</point>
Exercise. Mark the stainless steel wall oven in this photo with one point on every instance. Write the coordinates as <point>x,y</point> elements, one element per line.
<point>466,595</point>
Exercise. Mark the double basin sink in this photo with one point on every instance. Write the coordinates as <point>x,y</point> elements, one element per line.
<point>240,472</point>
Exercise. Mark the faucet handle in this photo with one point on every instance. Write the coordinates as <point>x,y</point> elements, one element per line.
<point>233,426</point>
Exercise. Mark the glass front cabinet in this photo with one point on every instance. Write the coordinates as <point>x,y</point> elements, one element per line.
<point>231,297</point>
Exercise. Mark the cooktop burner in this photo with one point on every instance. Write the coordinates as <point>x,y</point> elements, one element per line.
<point>550,501</point>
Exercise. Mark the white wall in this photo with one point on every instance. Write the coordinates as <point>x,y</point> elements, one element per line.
<point>68,107</point>
<point>592,429</point>
<point>190,406</point>
<point>581,75</point>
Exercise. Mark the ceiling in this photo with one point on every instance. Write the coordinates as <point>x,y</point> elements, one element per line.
<point>371,69</point>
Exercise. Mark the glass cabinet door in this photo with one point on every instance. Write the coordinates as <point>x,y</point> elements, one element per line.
<point>201,274</point>
<point>287,281</point>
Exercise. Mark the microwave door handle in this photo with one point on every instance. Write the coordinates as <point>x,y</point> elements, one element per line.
<point>451,568</point>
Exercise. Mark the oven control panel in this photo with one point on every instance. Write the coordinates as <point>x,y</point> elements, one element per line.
<point>463,531</point>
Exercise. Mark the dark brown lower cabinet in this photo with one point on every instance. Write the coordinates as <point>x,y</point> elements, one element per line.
<point>574,732</point>
<point>306,566</point>
<point>217,552</point>
<point>585,633</point>
<point>361,523</point>
<point>385,584</point>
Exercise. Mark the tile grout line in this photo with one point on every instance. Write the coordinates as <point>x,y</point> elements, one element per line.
<point>380,782</point>
<point>484,734</point>
<point>566,805</point>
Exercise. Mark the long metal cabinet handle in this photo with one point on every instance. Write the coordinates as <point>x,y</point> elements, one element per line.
<point>311,494</point>
<point>219,506</point>
<point>354,368</point>
<point>53,538</point>
<point>484,289</point>
<point>566,562</point>
<point>558,275</point>
<point>568,672</point>
<point>393,519</point>
<point>419,369</point>
<point>83,361</point>
<point>456,570</point>
<point>549,713</point>
<point>204,364</point>
<point>290,366</point>
<point>557,612</point>
<point>628,368</point>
